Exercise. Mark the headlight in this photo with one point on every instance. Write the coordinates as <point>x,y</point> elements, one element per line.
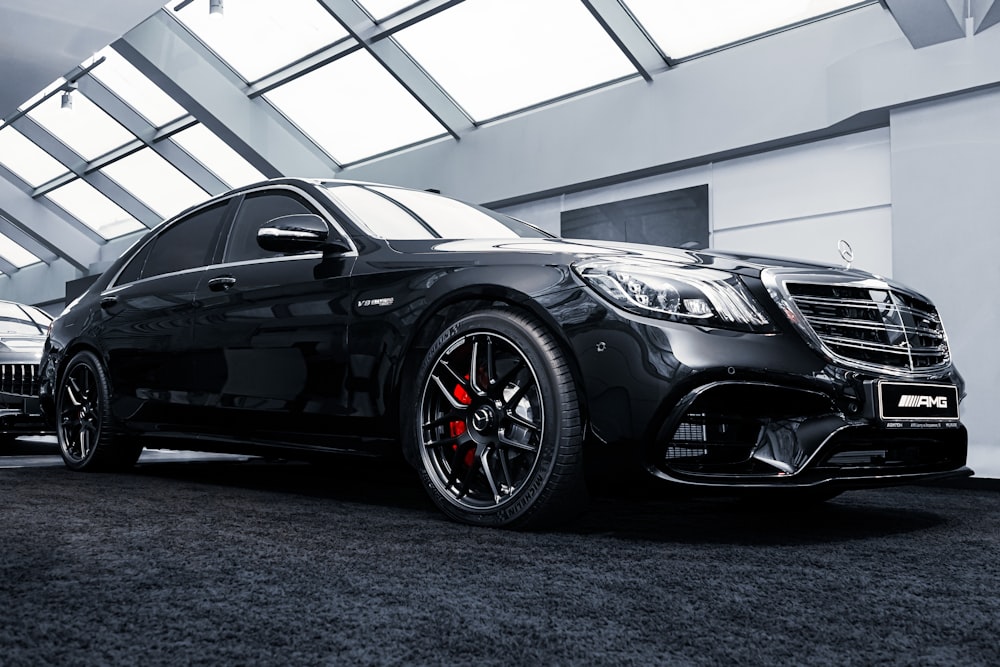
<point>694,295</point>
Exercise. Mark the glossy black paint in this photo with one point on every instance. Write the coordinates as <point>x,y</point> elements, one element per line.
<point>312,351</point>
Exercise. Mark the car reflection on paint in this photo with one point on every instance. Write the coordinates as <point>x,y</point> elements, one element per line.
<point>305,316</point>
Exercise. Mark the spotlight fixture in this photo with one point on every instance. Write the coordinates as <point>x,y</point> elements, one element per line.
<point>66,102</point>
<point>215,8</point>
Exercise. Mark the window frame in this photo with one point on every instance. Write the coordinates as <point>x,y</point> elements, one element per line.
<point>235,227</point>
<point>145,246</point>
<point>324,211</point>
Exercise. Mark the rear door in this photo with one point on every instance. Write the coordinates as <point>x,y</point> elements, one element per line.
<point>271,330</point>
<point>146,322</point>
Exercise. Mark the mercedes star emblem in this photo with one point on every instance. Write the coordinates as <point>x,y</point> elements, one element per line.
<point>846,251</point>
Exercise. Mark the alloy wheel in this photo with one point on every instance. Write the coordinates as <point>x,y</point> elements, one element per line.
<point>482,423</point>
<point>80,413</point>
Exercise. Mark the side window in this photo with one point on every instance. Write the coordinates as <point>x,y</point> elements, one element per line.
<point>184,245</point>
<point>133,269</point>
<point>257,209</point>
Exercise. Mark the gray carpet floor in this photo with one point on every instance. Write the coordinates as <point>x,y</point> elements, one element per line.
<point>218,563</point>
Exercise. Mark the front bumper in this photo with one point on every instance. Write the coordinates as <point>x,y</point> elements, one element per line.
<point>718,408</point>
<point>765,435</point>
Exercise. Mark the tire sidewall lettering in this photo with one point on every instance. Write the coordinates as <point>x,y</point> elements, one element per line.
<point>532,348</point>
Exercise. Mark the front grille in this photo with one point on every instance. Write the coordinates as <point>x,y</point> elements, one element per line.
<point>19,379</point>
<point>872,325</point>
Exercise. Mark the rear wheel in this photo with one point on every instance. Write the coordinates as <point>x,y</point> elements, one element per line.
<point>86,434</point>
<point>497,424</point>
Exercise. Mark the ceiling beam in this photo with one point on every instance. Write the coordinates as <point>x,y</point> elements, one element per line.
<point>400,65</point>
<point>985,13</point>
<point>17,234</point>
<point>927,22</point>
<point>89,172</point>
<point>45,222</point>
<point>137,124</point>
<point>6,267</point>
<point>633,41</point>
<point>162,49</point>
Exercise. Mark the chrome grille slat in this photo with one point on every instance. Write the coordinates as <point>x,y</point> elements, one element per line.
<point>886,349</point>
<point>868,305</point>
<point>869,324</point>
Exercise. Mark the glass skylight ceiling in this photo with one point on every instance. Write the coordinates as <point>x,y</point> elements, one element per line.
<point>86,203</point>
<point>257,37</point>
<point>138,91</point>
<point>85,128</point>
<point>686,27</point>
<point>217,156</point>
<point>15,254</point>
<point>23,157</point>
<point>155,182</point>
<point>492,58</point>
<point>354,109</point>
<point>514,53</point>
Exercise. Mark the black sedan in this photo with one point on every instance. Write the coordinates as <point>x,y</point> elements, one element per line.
<point>295,317</point>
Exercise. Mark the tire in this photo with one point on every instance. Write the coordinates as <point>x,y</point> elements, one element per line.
<point>86,431</point>
<point>496,423</point>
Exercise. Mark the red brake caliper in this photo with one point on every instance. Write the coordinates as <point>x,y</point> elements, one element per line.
<point>457,428</point>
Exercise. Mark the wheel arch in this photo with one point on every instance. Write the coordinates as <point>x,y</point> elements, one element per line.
<point>71,350</point>
<point>456,305</point>
<point>65,354</point>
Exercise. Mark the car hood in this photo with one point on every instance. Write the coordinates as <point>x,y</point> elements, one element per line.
<point>21,346</point>
<point>570,250</point>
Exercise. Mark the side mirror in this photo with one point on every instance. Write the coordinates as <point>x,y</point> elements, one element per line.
<point>298,233</point>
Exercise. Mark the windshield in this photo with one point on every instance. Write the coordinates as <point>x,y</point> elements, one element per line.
<point>398,214</point>
<point>18,319</point>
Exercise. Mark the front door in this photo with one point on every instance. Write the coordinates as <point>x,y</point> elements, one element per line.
<point>271,333</point>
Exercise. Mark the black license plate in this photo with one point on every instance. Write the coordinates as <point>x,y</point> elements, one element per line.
<point>907,401</point>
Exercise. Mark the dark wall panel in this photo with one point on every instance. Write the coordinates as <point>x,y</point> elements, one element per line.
<point>678,218</point>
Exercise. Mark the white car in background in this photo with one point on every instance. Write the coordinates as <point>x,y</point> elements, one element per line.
<point>22,337</point>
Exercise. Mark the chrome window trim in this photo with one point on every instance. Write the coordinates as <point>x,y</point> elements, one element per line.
<point>145,240</point>
<point>113,289</point>
<point>270,260</point>
<point>114,286</point>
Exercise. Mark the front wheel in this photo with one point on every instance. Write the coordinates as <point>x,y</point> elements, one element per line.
<point>86,434</point>
<point>497,423</point>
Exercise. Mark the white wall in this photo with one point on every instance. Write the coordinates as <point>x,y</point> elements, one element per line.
<point>800,201</point>
<point>794,202</point>
<point>40,284</point>
<point>946,240</point>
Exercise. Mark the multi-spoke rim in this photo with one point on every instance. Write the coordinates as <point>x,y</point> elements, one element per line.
<point>482,421</point>
<point>79,412</point>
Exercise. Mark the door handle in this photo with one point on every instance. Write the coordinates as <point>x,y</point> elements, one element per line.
<point>109,302</point>
<point>221,284</point>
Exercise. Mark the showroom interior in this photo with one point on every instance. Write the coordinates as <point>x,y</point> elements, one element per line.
<point>861,134</point>
<point>869,122</point>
